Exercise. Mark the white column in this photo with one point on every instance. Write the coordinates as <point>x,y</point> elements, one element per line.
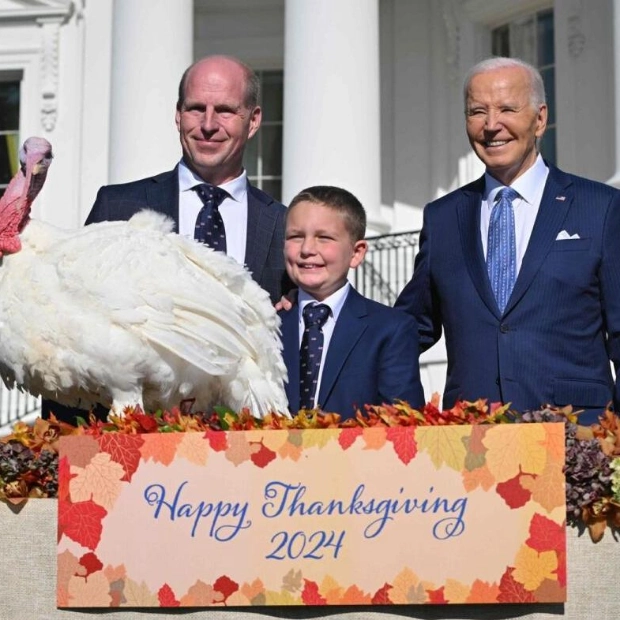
<point>331,100</point>
<point>615,179</point>
<point>152,46</point>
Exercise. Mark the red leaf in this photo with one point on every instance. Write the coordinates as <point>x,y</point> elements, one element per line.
<point>381,596</point>
<point>263,457</point>
<point>147,423</point>
<point>546,535</point>
<point>511,591</point>
<point>64,478</point>
<point>225,585</point>
<point>310,594</point>
<point>91,563</point>
<point>166,597</point>
<point>513,493</point>
<point>348,436</point>
<point>81,522</point>
<point>124,449</point>
<point>217,440</point>
<point>403,439</point>
<point>436,597</point>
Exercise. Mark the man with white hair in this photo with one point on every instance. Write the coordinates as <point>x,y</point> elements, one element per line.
<point>521,268</point>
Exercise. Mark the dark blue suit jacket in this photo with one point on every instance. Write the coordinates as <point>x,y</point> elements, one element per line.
<point>372,358</point>
<point>561,327</point>
<point>264,255</point>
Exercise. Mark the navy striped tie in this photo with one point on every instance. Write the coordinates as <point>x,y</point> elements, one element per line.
<point>502,247</point>
<point>209,224</point>
<point>311,352</point>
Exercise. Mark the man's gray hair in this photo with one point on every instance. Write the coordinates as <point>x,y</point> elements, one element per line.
<point>537,87</point>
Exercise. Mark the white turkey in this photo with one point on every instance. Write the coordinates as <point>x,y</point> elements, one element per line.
<point>125,313</point>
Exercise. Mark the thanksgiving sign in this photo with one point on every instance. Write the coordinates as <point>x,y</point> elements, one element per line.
<point>355,516</point>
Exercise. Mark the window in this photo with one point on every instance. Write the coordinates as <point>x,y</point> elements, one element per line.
<point>263,154</point>
<point>532,39</point>
<point>9,128</point>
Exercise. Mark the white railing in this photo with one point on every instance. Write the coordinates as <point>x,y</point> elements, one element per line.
<point>16,405</point>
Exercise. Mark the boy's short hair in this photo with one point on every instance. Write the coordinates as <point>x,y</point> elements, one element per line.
<point>340,200</point>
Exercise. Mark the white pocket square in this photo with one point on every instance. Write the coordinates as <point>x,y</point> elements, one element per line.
<point>563,235</point>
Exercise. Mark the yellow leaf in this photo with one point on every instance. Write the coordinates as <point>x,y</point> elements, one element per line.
<point>100,481</point>
<point>532,568</point>
<point>138,595</point>
<point>402,586</point>
<point>319,438</point>
<point>331,590</point>
<point>515,448</point>
<point>455,591</point>
<point>281,598</point>
<point>194,448</point>
<point>444,444</point>
<point>274,440</point>
<point>91,592</point>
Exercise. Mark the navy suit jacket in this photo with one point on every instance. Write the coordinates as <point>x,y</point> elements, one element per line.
<point>264,253</point>
<point>561,327</point>
<point>372,358</point>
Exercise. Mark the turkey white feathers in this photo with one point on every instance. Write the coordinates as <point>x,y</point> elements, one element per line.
<point>126,313</point>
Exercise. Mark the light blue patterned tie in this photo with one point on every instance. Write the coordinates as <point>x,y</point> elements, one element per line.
<point>502,247</point>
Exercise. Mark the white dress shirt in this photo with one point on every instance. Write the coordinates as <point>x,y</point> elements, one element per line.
<point>335,302</point>
<point>234,210</point>
<point>530,186</point>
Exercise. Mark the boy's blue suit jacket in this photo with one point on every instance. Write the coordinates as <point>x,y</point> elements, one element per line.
<point>561,327</point>
<point>372,358</point>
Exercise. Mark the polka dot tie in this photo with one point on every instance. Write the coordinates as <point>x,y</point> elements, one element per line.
<point>311,352</point>
<point>209,224</point>
<point>502,248</point>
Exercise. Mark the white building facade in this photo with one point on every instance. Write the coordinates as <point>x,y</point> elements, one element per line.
<point>366,94</point>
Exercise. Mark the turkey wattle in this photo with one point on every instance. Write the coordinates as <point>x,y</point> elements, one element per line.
<point>125,313</point>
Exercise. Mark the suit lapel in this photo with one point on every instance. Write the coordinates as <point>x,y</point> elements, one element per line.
<point>261,225</point>
<point>163,195</point>
<point>350,326</point>
<point>468,213</point>
<point>290,341</point>
<point>554,206</point>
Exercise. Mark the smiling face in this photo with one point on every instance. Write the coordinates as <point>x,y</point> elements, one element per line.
<point>502,124</point>
<point>318,248</point>
<point>214,119</point>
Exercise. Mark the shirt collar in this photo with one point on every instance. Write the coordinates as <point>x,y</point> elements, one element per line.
<point>237,188</point>
<point>335,301</point>
<point>527,185</point>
